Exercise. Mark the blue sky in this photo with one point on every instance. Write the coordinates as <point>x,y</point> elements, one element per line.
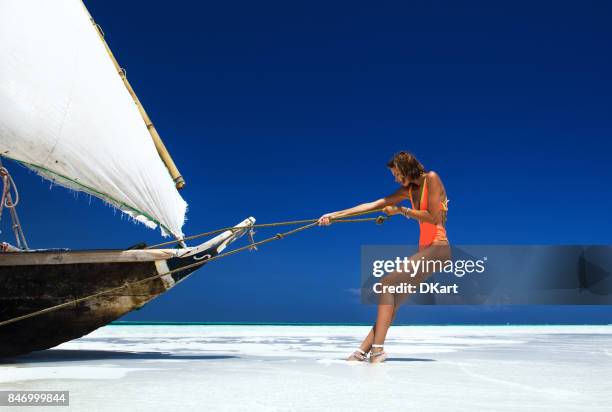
<point>285,110</point>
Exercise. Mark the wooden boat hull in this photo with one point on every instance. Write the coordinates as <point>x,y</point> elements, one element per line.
<point>32,281</point>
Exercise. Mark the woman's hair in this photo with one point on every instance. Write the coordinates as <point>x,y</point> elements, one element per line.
<point>408,165</point>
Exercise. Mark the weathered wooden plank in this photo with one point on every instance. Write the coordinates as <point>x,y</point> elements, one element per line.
<point>90,256</point>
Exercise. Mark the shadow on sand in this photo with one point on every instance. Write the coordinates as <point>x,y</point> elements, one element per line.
<point>409,360</point>
<point>67,355</point>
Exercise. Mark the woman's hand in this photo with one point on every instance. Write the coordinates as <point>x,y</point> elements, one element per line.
<point>392,210</point>
<point>326,219</point>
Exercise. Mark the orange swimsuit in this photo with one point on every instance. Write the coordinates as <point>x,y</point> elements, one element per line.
<point>430,233</point>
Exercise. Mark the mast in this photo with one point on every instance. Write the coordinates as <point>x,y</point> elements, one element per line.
<point>159,144</point>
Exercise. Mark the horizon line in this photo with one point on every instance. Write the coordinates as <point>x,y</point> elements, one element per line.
<point>145,323</point>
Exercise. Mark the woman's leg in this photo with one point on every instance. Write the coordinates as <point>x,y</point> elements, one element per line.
<point>366,345</point>
<point>390,303</point>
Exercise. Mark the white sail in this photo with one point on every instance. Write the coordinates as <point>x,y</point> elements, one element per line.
<point>65,112</point>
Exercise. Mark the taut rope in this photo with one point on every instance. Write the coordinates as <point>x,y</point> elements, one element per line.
<point>379,219</point>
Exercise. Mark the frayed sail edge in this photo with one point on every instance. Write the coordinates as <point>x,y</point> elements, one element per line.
<point>134,214</point>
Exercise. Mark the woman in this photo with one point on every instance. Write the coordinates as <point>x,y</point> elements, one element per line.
<point>429,206</point>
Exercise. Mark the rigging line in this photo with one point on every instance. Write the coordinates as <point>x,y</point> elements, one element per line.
<point>278,236</point>
<point>260,225</point>
<point>5,189</point>
<point>8,183</point>
<point>6,201</point>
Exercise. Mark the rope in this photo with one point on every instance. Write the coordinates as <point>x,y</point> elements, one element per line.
<point>6,201</point>
<point>283,223</point>
<point>278,236</point>
<point>7,184</point>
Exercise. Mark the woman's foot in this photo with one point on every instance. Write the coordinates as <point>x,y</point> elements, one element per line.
<point>358,356</point>
<point>377,355</point>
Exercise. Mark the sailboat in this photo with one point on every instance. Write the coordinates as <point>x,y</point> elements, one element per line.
<point>68,112</point>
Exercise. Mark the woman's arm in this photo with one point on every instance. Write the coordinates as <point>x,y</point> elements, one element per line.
<point>392,199</point>
<point>433,214</point>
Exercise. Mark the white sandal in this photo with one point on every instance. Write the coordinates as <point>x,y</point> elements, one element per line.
<point>378,356</point>
<point>358,356</point>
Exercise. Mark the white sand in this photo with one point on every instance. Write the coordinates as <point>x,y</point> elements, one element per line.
<point>250,368</point>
